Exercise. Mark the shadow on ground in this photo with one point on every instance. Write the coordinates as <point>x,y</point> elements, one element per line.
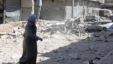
<point>82,52</point>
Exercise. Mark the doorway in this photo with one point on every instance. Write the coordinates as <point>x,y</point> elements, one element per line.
<point>75,8</point>
<point>12,10</point>
<point>1,11</point>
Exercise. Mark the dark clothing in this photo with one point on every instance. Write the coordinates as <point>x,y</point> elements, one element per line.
<point>29,45</point>
<point>30,42</point>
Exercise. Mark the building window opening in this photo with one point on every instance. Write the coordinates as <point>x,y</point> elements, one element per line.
<point>53,1</point>
<point>1,11</point>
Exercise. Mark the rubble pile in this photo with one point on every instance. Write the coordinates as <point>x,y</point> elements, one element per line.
<point>62,47</point>
<point>70,26</point>
<point>12,30</point>
<point>74,26</point>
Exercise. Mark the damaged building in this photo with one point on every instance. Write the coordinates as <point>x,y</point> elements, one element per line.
<point>108,4</point>
<point>84,8</point>
<point>16,10</point>
<point>1,11</point>
<point>65,9</point>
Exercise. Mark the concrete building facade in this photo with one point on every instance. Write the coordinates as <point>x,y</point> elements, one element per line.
<point>53,9</point>
<point>64,9</point>
<point>15,10</point>
<point>108,4</point>
<point>82,8</point>
<point>1,11</point>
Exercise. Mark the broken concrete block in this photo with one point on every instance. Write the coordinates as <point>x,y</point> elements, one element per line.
<point>4,36</point>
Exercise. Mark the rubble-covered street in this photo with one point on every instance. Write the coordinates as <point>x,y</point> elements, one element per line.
<point>57,47</point>
<point>70,31</point>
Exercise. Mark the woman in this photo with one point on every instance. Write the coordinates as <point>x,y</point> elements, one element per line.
<point>30,42</point>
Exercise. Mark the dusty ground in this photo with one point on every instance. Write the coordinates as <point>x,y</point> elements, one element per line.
<point>57,48</point>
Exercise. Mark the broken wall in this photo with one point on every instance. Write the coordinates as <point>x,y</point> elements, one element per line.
<point>1,11</point>
<point>53,10</point>
<point>68,9</point>
<point>92,6</point>
<point>85,8</point>
<point>12,10</point>
<point>109,2</point>
<point>26,9</point>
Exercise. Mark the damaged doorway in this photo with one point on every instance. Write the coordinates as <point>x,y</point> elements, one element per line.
<point>1,11</point>
<point>75,8</point>
<point>12,10</point>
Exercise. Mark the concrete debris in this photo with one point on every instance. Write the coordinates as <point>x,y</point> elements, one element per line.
<point>4,36</point>
<point>59,45</point>
<point>70,26</point>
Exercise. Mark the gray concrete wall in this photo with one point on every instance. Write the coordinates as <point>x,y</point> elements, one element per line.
<point>26,9</point>
<point>100,1</point>
<point>68,9</point>
<point>25,12</point>
<point>86,8</point>
<point>26,3</point>
<point>62,9</point>
<point>92,6</point>
<point>12,10</point>
<point>53,10</point>
<point>110,2</point>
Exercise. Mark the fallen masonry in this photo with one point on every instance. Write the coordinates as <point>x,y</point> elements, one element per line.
<point>61,45</point>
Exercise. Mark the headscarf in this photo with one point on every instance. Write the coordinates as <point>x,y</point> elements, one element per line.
<point>32,19</point>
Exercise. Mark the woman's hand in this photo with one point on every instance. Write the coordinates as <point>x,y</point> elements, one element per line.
<point>38,38</point>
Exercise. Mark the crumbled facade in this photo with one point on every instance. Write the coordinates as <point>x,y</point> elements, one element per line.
<point>85,7</point>
<point>108,4</point>
<point>15,10</point>
<point>65,9</point>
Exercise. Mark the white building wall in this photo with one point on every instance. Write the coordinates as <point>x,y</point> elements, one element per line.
<point>68,9</point>
<point>109,2</point>
<point>85,8</point>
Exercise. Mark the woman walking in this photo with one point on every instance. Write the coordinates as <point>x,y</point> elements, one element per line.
<point>30,42</point>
